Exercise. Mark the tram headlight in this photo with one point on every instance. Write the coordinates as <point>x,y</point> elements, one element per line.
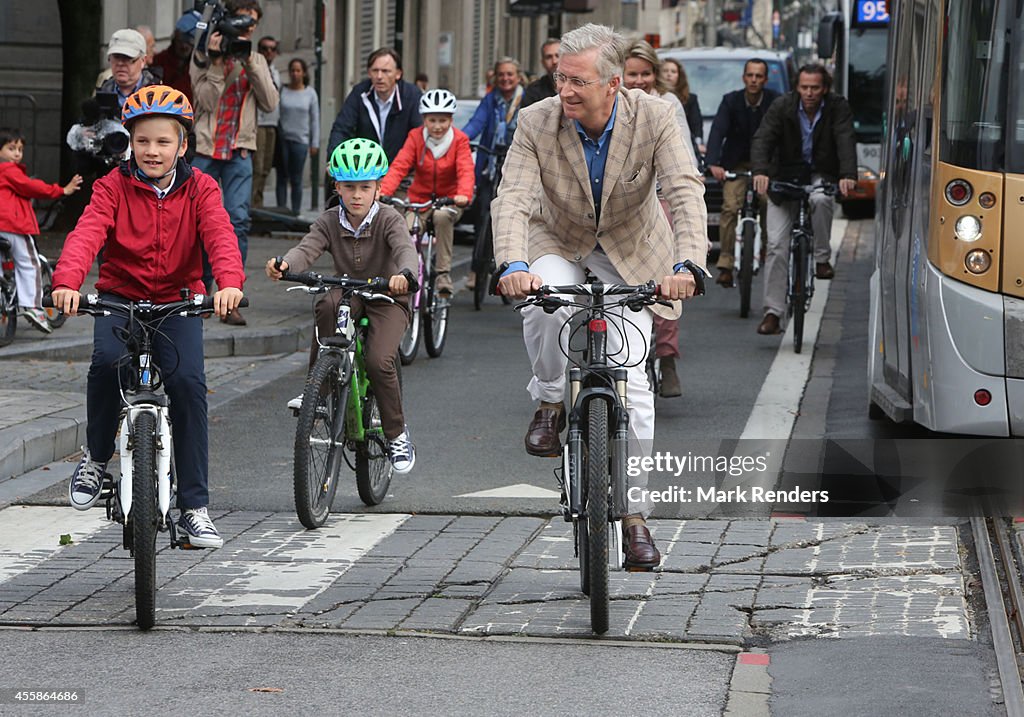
<point>977,261</point>
<point>967,228</point>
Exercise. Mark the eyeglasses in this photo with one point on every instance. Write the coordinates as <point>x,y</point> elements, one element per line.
<point>576,82</point>
<point>268,48</point>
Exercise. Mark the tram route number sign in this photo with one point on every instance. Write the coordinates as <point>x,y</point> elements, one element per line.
<point>872,12</point>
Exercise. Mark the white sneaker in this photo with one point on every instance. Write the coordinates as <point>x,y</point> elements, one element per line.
<point>296,403</point>
<point>37,317</point>
<point>199,529</point>
<point>86,482</point>
<point>402,453</point>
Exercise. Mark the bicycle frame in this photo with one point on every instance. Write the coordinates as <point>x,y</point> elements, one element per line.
<point>802,236</point>
<point>749,213</point>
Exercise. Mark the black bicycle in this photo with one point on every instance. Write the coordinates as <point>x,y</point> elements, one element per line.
<point>482,264</point>
<point>141,499</point>
<point>593,472</point>
<point>801,252</point>
<point>9,305</point>
<point>748,241</point>
<point>339,415</point>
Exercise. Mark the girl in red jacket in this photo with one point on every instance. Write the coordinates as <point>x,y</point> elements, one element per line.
<point>440,156</point>
<point>18,222</point>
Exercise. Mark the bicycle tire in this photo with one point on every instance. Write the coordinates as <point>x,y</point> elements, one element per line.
<point>582,549</point>
<point>435,317</point>
<point>746,268</point>
<point>373,468</point>
<point>799,303</point>
<point>143,517</point>
<point>597,514</point>
<point>8,306</point>
<point>319,434</point>
<point>482,260</point>
<point>411,340</point>
<point>54,316</point>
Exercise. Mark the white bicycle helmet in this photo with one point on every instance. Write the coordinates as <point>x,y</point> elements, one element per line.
<point>437,102</point>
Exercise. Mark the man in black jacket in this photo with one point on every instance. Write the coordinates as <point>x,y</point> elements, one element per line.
<point>732,132</point>
<point>383,108</point>
<point>806,137</point>
<point>544,86</point>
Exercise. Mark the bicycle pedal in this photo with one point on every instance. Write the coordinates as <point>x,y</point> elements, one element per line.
<point>185,545</point>
<point>637,569</point>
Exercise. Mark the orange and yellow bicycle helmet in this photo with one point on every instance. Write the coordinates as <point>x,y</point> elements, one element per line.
<point>158,100</point>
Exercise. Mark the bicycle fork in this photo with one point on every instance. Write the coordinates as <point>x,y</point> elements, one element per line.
<point>163,458</point>
<point>738,246</point>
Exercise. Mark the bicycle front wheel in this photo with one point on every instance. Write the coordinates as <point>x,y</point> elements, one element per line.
<point>799,289</point>
<point>411,341</point>
<point>746,268</point>
<point>143,518</point>
<point>597,514</point>
<point>483,258</point>
<point>8,305</point>
<point>373,469</point>
<point>54,316</point>
<point>319,439</point>
<point>435,320</point>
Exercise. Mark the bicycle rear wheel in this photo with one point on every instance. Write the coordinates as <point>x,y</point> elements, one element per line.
<point>483,258</point>
<point>8,304</point>
<point>54,316</point>
<point>798,302</point>
<point>319,439</point>
<point>143,518</point>
<point>435,317</point>
<point>597,514</point>
<point>746,268</point>
<point>373,469</point>
<point>411,341</point>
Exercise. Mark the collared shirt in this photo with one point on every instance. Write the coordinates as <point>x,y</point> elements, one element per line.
<point>122,97</point>
<point>384,108</point>
<point>807,126</point>
<point>364,225</point>
<point>596,154</point>
<point>229,113</point>
<point>160,193</point>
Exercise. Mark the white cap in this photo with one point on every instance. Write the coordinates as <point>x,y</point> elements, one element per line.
<point>129,43</point>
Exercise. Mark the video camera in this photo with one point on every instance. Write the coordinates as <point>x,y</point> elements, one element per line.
<point>215,18</point>
<point>100,133</point>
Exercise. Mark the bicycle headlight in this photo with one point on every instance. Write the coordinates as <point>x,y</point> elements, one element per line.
<point>967,228</point>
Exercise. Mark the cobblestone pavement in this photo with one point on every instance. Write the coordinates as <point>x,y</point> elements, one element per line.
<point>726,581</point>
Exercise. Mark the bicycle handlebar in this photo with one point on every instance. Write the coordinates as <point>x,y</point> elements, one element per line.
<point>313,279</point>
<point>827,188</point>
<point>405,204</point>
<point>729,175</point>
<point>95,305</point>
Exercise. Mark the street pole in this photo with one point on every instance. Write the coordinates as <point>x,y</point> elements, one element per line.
<point>711,23</point>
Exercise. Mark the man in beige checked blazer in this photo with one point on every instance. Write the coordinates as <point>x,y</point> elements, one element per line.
<point>578,193</point>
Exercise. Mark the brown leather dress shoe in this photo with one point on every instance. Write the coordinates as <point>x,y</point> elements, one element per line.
<point>234,318</point>
<point>639,547</point>
<point>724,278</point>
<point>769,325</point>
<point>542,436</point>
<point>824,270</point>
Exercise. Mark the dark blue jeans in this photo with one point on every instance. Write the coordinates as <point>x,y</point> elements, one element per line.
<point>293,159</point>
<point>178,351</point>
<point>235,177</point>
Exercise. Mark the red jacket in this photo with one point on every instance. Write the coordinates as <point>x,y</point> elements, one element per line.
<point>16,189</point>
<point>152,246</point>
<point>446,177</point>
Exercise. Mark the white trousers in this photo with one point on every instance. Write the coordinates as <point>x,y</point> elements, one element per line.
<point>629,335</point>
<point>27,277</point>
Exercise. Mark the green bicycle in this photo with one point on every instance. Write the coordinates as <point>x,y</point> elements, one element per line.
<point>339,418</point>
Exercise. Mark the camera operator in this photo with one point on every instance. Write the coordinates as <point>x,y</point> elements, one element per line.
<point>126,54</point>
<point>230,80</point>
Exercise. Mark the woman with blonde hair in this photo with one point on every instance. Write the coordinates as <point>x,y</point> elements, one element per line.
<point>674,76</point>
<point>641,72</point>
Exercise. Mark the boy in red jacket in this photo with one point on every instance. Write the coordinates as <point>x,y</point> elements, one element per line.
<point>18,222</point>
<point>152,216</point>
<point>439,154</point>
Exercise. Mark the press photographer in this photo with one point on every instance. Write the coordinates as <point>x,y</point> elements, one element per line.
<point>126,54</point>
<point>227,89</point>
<point>99,136</point>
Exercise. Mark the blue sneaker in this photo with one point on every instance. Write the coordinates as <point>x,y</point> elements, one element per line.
<point>199,529</point>
<point>86,482</point>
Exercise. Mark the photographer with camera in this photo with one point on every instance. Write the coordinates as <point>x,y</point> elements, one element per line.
<point>230,80</point>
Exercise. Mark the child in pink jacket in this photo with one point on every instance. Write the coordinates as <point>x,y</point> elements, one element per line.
<point>18,222</point>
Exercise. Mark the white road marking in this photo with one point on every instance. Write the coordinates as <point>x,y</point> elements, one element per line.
<point>29,534</point>
<point>519,490</point>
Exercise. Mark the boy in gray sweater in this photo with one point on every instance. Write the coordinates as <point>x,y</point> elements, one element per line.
<point>366,240</point>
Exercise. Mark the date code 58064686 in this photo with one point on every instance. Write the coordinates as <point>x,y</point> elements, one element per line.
<point>15,695</point>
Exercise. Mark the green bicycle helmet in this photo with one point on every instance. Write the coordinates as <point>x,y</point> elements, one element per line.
<point>357,160</point>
